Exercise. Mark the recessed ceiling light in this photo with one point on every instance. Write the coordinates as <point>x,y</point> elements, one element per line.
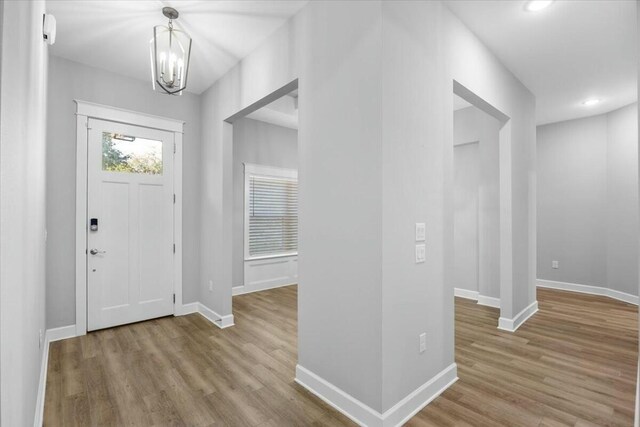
<point>590,102</point>
<point>537,5</point>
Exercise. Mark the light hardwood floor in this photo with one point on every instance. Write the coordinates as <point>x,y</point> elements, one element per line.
<point>573,363</point>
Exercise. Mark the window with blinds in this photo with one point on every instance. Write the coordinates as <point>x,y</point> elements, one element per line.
<point>272,213</point>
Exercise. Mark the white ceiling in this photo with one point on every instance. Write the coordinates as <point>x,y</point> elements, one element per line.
<point>571,51</point>
<point>114,35</point>
<point>574,50</point>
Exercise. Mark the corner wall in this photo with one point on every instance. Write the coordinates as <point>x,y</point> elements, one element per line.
<point>375,157</point>
<point>22,208</point>
<point>588,204</point>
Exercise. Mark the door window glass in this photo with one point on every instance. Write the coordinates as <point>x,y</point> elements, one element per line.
<point>125,153</point>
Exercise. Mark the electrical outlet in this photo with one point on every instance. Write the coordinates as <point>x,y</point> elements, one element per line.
<point>554,264</point>
<point>40,338</point>
<point>423,342</point>
<point>210,285</point>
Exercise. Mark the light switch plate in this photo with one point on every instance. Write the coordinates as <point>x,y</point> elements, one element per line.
<point>421,253</point>
<point>554,264</point>
<point>420,232</point>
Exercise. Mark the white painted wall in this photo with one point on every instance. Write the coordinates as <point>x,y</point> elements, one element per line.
<point>572,192</point>
<point>622,200</point>
<point>496,85</point>
<point>71,80</point>
<point>588,202</point>
<point>262,144</point>
<point>1,117</point>
<point>636,421</point>
<point>375,156</point>
<point>472,124</point>
<point>22,208</point>
<point>466,215</point>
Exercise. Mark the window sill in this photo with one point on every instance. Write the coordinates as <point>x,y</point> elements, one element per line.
<point>258,258</point>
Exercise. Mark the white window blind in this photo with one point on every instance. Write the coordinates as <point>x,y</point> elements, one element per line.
<point>272,212</point>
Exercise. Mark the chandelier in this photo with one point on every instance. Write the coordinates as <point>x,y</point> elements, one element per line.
<point>170,54</point>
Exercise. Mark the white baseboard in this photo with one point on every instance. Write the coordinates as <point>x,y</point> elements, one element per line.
<point>62,333</point>
<point>489,301</point>
<point>351,407</point>
<point>189,308</point>
<point>218,320</point>
<point>475,295</point>
<point>511,325</point>
<point>244,289</point>
<point>587,289</point>
<point>464,293</point>
<point>42,387</point>
<point>364,415</point>
<point>50,336</point>
<point>213,317</point>
<point>404,410</point>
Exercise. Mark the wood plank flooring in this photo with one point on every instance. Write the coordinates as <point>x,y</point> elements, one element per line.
<point>572,364</point>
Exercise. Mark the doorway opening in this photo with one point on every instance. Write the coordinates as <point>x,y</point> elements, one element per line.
<point>481,165</point>
<point>265,197</point>
<point>264,259</point>
<point>476,204</point>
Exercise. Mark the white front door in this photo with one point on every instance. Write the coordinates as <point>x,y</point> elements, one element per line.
<point>130,232</point>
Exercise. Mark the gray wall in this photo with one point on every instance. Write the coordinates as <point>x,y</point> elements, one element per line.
<point>622,200</point>
<point>375,157</point>
<point>22,208</point>
<point>588,200</point>
<point>472,124</point>
<point>465,210</point>
<point>68,81</point>
<point>259,143</point>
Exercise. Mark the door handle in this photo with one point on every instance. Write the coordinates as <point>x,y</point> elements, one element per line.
<point>96,252</point>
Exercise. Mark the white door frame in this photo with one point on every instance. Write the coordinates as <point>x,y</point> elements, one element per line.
<point>89,110</point>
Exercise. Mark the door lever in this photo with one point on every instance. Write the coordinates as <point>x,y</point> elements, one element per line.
<point>96,252</point>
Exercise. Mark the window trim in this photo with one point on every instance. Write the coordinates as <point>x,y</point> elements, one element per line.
<point>268,171</point>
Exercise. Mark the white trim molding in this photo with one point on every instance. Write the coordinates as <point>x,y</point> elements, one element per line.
<point>221,322</point>
<point>51,335</point>
<point>42,387</point>
<point>62,333</point>
<point>467,294</point>
<point>184,309</point>
<point>364,415</point>
<point>89,110</point>
<point>587,289</point>
<point>243,289</point>
<point>475,295</point>
<point>511,325</point>
<point>489,301</point>
<point>120,115</point>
